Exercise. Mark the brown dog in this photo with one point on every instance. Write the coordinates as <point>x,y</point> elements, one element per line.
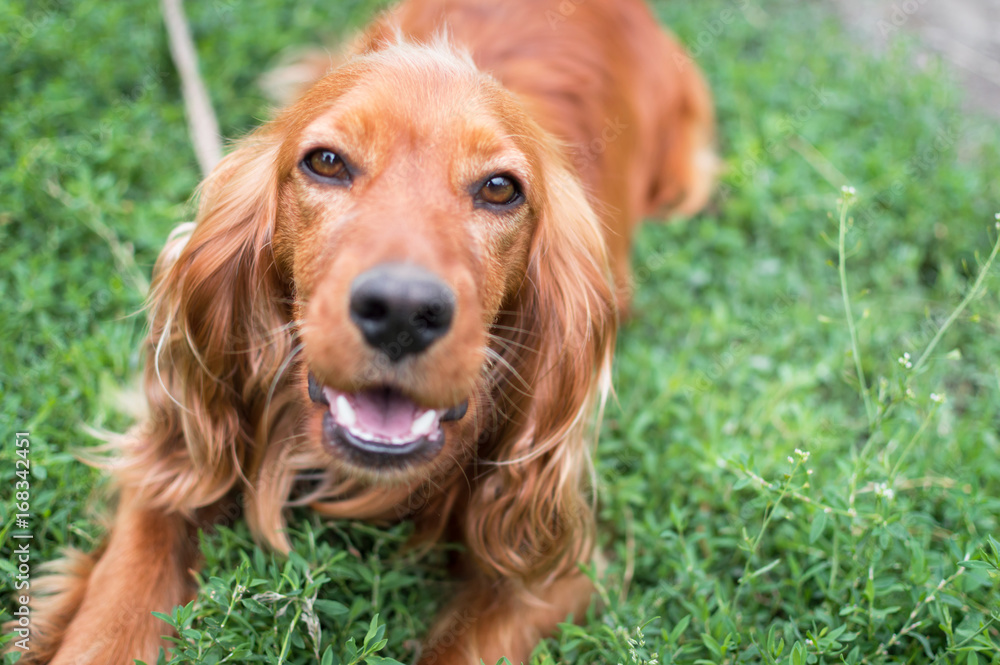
<point>408,280</point>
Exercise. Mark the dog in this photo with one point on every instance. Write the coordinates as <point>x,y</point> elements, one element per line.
<point>405,286</point>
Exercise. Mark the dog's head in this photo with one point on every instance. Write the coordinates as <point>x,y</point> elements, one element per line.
<point>397,276</point>
<point>409,196</point>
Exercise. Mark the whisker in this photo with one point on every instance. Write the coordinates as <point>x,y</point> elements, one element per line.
<point>506,351</point>
<point>505,414</point>
<point>508,341</point>
<point>285,364</point>
<point>491,353</point>
<point>461,468</point>
<point>523,331</point>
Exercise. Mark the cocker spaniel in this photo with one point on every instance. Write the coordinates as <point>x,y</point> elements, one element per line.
<point>408,280</point>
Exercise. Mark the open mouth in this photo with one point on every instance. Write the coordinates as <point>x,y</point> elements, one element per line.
<point>381,426</point>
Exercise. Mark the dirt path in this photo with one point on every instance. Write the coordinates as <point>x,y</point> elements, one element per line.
<point>966,33</point>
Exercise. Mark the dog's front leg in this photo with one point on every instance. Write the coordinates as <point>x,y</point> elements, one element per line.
<point>144,568</point>
<point>504,619</point>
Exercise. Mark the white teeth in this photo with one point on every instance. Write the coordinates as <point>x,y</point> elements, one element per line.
<point>423,425</point>
<point>345,413</point>
<point>426,424</point>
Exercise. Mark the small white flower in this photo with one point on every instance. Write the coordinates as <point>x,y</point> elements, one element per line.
<point>937,399</point>
<point>809,472</point>
<point>909,393</point>
<point>904,360</point>
<point>790,460</point>
<point>848,191</point>
<point>883,490</point>
<point>802,454</point>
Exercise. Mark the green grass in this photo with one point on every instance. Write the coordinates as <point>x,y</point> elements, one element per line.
<point>725,545</point>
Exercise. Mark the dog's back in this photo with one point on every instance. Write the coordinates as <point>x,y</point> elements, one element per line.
<point>601,75</point>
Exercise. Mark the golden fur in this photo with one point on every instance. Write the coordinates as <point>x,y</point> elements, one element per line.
<point>601,117</point>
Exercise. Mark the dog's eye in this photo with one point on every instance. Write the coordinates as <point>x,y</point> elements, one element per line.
<point>499,190</point>
<point>326,164</point>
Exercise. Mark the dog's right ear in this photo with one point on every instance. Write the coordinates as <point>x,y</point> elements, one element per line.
<point>529,517</point>
<point>217,315</point>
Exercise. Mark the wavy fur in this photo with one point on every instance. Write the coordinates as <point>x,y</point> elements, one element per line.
<point>248,299</point>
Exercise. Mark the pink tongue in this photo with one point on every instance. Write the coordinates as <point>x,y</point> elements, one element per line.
<point>385,413</point>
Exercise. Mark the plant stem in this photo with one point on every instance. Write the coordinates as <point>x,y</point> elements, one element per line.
<point>855,350</point>
<point>973,292</point>
<point>288,635</point>
<point>909,446</point>
<point>768,514</point>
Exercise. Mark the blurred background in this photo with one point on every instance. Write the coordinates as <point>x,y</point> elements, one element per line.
<point>965,33</point>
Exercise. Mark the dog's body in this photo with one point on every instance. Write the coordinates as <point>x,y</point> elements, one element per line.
<point>401,284</point>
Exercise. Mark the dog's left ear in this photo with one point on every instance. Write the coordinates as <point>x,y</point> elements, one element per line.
<point>214,349</point>
<point>531,516</point>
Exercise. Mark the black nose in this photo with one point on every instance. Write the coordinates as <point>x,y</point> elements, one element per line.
<point>400,308</point>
